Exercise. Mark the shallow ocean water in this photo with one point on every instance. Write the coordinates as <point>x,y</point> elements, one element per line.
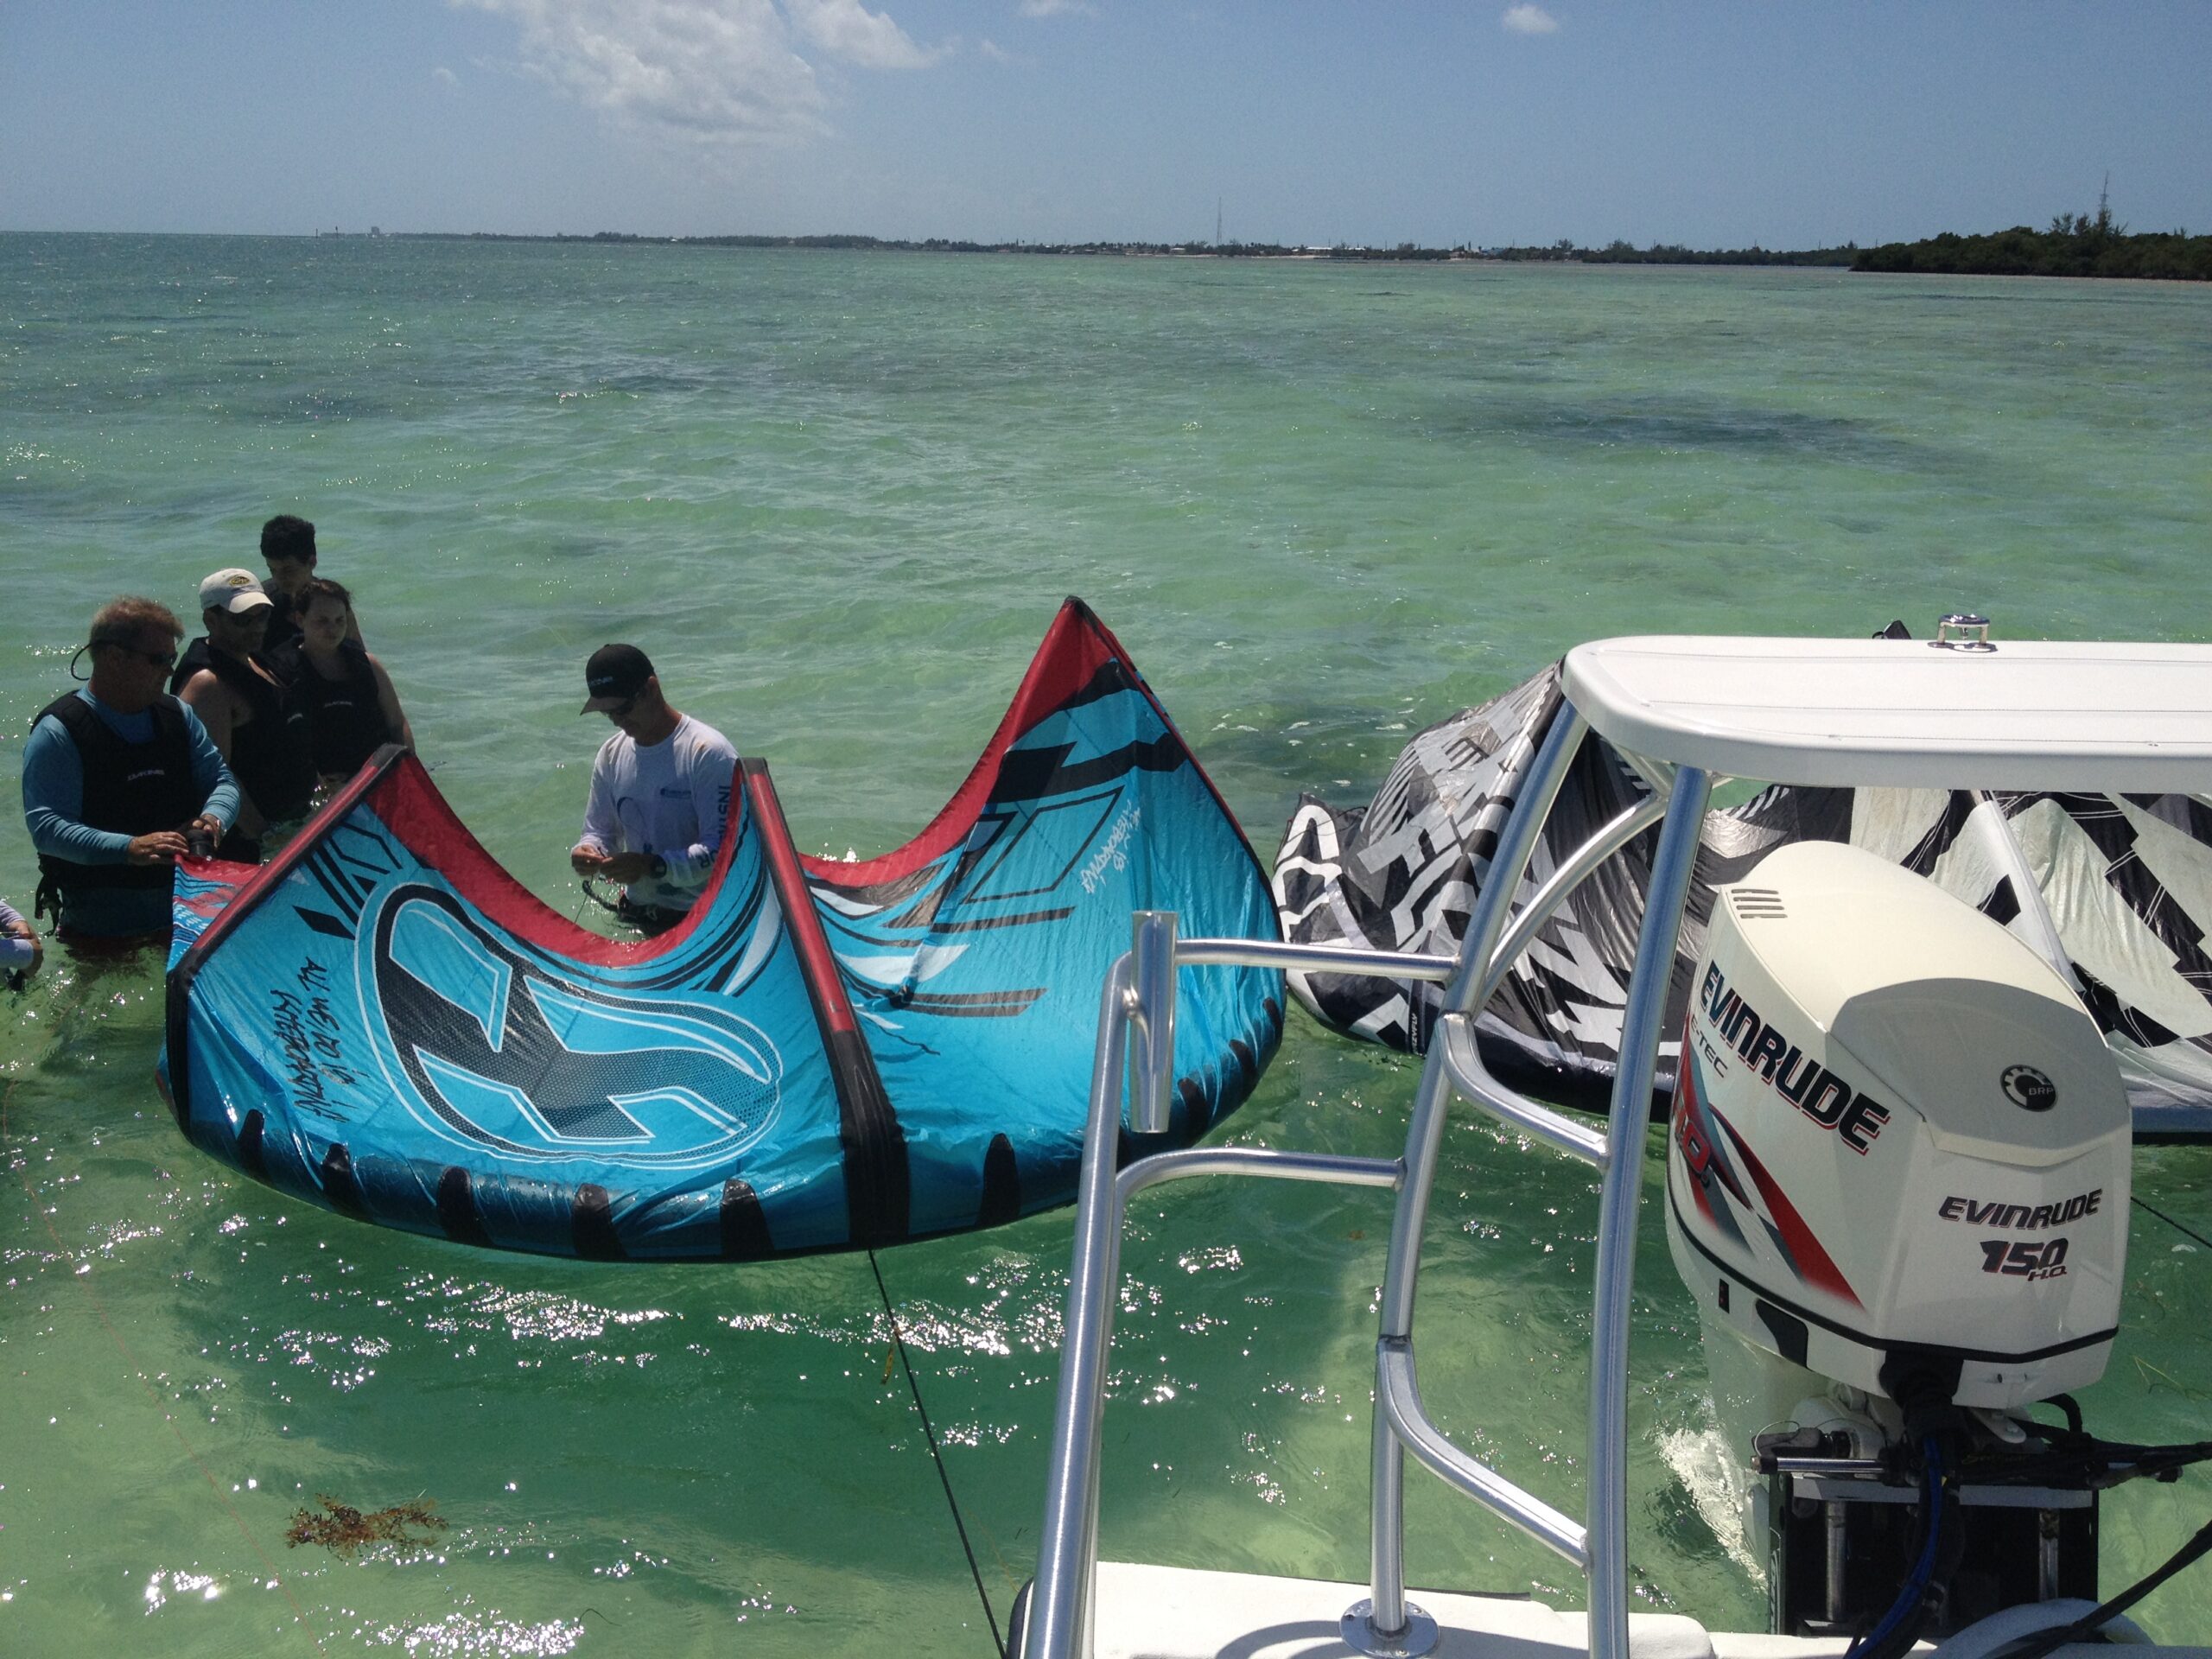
<point>837,497</point>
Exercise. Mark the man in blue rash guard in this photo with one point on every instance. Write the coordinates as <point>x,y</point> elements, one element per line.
<point>660,793</point>
<point>116,774</point>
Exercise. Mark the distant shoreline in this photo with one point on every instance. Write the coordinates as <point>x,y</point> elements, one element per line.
<point>2074,246</point>
<point>1402,253</point>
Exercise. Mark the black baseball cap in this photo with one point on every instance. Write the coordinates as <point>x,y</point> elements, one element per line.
<point>615,675</point>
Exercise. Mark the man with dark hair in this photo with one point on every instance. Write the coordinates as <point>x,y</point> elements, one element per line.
<point>250,712</point>
<point>660,793</point>
<point>119,780</point>
<point>287,548</point>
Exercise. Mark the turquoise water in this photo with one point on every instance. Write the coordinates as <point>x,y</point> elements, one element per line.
<point>837,497</point>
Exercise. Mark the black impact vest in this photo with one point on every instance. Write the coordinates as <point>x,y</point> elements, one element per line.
<point>284,631</point>
<point>272,754</point>
<point>131,789</point>
<point>282,661</point>
<point>347,719</point>
<point>195,657</point>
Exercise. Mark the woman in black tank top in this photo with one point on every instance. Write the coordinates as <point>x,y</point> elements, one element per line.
<point>351,704</point>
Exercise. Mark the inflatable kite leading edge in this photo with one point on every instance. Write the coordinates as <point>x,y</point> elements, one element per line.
<point>823,1056</point>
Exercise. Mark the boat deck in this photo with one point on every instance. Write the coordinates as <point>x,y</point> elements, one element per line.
<point>1165,1612</point>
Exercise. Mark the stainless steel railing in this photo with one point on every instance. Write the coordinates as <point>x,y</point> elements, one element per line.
<point>1136,1048</point>
<point>1059,1622</point>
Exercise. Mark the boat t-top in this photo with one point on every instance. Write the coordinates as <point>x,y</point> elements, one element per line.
<point>1898,1175</point>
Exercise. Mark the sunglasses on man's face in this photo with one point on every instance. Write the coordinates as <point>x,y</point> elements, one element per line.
<point>621,711</point>
<point>153,659</point>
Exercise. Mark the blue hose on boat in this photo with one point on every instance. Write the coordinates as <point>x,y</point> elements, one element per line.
<point>1904,1612</point>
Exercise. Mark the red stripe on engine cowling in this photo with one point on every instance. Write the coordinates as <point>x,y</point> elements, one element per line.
<point>1815,1265</point>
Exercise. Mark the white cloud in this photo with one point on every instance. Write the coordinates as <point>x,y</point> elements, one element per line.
<point>722,73</point>
<point>847,30</point>
<point>991,49</point>
<point>1054,8</point>
<point>445,77</point>
<point>1530,20</point>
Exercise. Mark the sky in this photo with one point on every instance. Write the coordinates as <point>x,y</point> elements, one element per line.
<point>1709,123</point>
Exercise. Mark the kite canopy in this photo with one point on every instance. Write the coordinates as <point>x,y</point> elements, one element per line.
<point>2125,881</point>
<point>823,1056</point>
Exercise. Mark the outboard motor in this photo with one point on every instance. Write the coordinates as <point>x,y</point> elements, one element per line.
<point>1897,1184</point>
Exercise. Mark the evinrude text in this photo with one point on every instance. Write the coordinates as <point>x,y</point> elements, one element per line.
<point>1785,1067</point>
<point>1995,1212</point>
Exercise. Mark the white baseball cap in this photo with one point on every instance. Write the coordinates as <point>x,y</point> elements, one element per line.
<point>233,590</point>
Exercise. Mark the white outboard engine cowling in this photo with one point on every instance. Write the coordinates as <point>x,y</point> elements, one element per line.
<point>1897,1184</point>
<point>1897,1131</point>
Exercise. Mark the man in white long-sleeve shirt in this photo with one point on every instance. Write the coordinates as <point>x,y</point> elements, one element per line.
<point>660,793</point>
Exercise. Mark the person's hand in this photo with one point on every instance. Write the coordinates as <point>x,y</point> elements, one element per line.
<point>201,838</point>
<point>29,934</point>
<point>586,860</point>
<point>156,847</point>
<point>624,868</point>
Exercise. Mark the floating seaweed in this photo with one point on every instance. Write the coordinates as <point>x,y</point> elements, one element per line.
<point>341,1528</point>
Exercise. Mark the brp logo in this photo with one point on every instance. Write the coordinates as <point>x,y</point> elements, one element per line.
<point>492,1052</point>
<point>2028,1088</point>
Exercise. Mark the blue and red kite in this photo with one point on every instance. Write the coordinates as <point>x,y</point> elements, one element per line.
<point>823,1056</point>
